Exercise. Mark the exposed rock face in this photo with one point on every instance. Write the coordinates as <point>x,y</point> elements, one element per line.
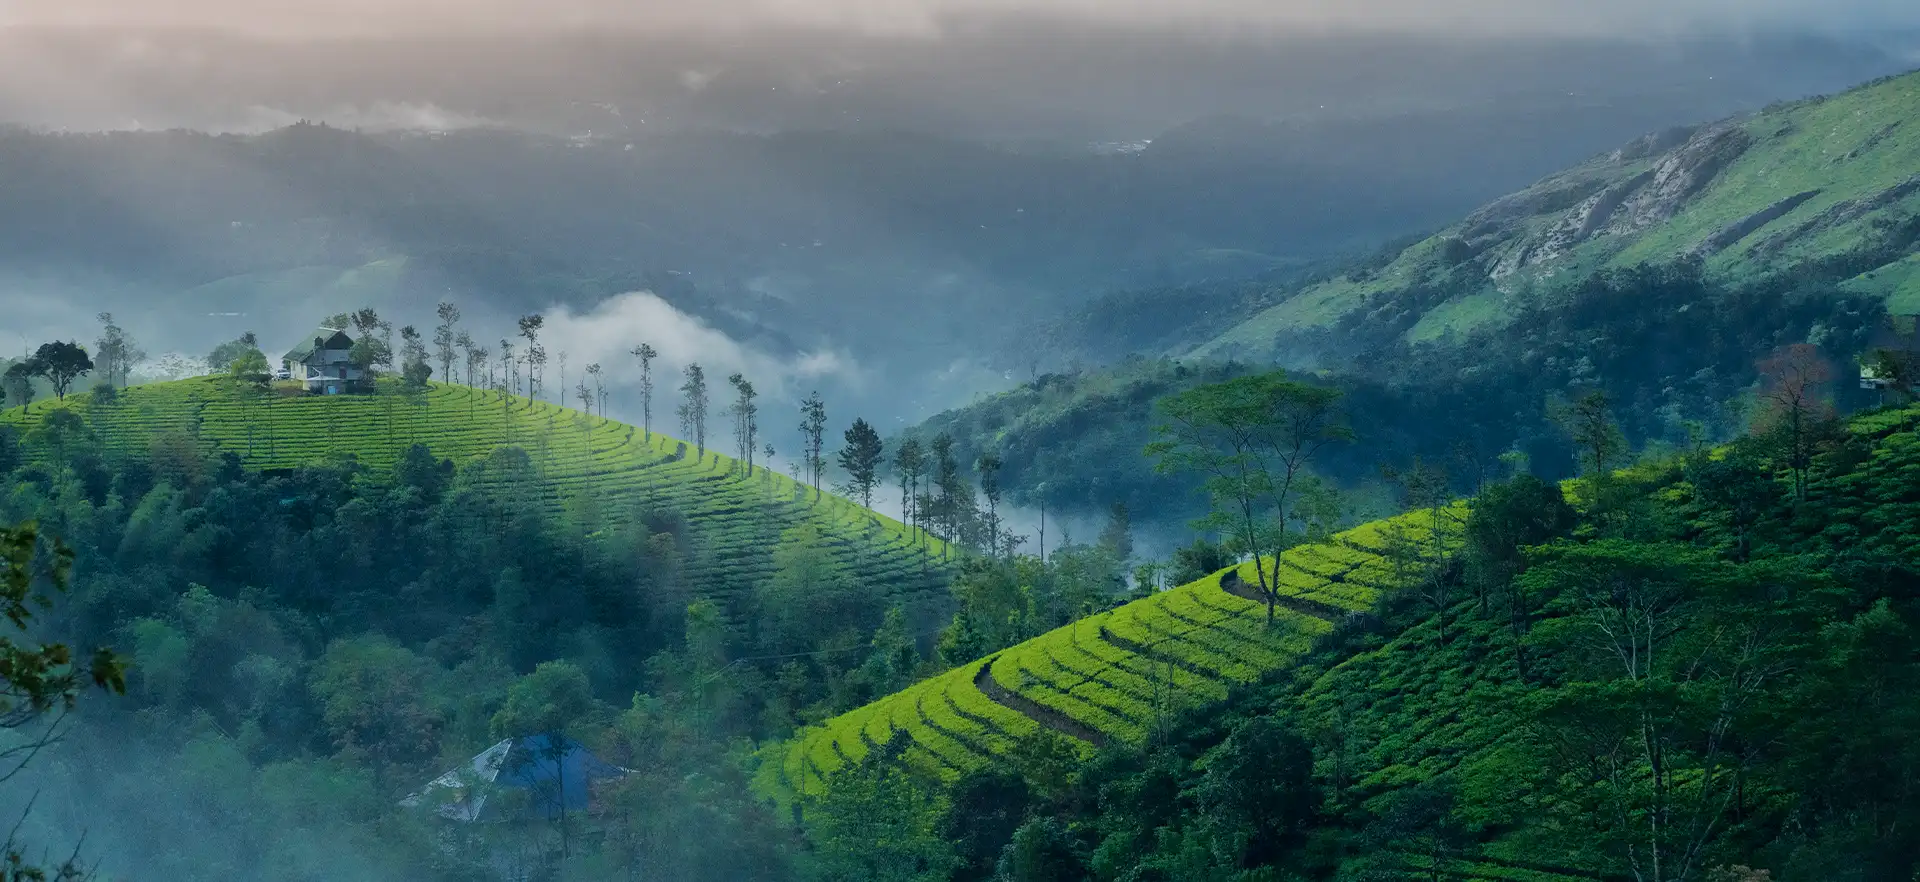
<point>1654,144</point>
<point>1839,213</point>
<point>1746,226</point>
<point>1645,200</point>
<point>1499,217</point>
<point>1678,176</point>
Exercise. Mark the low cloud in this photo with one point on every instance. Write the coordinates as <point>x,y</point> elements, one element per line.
<point>607,334</point>
<point>380,116</point>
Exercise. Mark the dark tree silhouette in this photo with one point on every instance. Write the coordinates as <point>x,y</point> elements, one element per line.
<point>61,362</point>
<point>860,459</point>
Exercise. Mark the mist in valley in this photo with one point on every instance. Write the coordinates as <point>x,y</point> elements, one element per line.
<point>1000,235</point>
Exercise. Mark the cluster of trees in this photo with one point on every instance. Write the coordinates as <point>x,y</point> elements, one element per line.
<point>59,363</point>
<point>374,627</point>
<point>1697,666</point>
<point>1070,439</point>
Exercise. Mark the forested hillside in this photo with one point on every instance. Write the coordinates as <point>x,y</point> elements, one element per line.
<point>1698,668</point>
<point>1817,196</point>
<point>1122,675</point>
<point>324,601</point>
<point>602,477</point>
<point>1665,273</point>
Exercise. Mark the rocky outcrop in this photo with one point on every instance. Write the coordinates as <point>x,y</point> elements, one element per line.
<point>1724,237</point>
<point>1500,217</point>
<point>1679,176</point>
<point>1576,227</point>
<point>1837,214</point>
<point>1654,144</point>
<point>1645,200</point>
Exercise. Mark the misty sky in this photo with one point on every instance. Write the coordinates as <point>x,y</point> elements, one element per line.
<point>929,17</point>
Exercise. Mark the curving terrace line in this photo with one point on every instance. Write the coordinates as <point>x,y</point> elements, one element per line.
<point>1034,710</point>
<point>1238,587</point>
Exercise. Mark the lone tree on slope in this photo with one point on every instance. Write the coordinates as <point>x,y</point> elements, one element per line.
<point>1251,439</point>
<point>693,407</point>
<point>746,418</point>
<point>117,352</point>
<point>813,430</point>
<point>536,355</point>
<point>61,362</point>
<point>910,464</point>
<point>646,354</point>
<point>860,459</point>
<point>1796,410</point>
<point>447,337</point>
<point>988,467</point>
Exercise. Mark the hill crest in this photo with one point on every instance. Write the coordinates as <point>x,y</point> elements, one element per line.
<point>1829,181</point>
<point>595,472</point>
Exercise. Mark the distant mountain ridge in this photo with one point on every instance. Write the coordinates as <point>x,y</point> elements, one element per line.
<point>1828,186</point>
<point>854,234</point>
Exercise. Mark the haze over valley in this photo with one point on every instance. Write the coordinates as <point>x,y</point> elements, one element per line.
<point>960,440</point>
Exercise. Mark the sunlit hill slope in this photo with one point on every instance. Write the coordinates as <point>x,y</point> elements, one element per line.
<point>1828,185</point>
<point>595,471</point>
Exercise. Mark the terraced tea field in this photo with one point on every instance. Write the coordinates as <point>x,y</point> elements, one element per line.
<point>1114,675</point>
<point>594,469</point>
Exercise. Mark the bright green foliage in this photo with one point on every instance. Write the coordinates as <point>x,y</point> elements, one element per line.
<point>1120,675</point>
<point>1815,182</point>
<point>600,473</point>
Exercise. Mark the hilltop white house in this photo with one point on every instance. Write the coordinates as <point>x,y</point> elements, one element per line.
<point>323,363</point>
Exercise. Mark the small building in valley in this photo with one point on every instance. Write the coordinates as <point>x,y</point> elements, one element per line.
<point>324,364</point>
<point>534,778</point>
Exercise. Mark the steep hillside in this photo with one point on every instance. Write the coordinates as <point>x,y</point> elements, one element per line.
<point>1118,675</point>
<point>595,472</point>
<point>1827,187</point>
<point>1702,664</point>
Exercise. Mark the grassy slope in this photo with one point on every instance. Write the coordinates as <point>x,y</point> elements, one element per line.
<point>1112,675</point>
<point>594,470</point>
<point>1850,148</point>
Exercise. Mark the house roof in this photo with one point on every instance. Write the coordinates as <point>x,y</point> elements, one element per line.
<point>553,774</point>
<point>321,338</point>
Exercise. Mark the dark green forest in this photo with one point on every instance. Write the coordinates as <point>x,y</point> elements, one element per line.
<point>1695,668</point>
<point>1578,542</point>
<point>1678,351</point>
<point>1699,663</point>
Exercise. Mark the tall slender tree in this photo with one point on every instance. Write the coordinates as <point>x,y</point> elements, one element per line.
<point>1252,438</point>
<point>860,459</point>
<point>693,407</point>
<point>813,430</point>
<point>988,467</point>
<point>508,383</point>
<point>646,354</point>
<point>1588,422</point>
<point>446,337</point>
<point>115,353</point>
<point>594,377</point>
<point>746,420</point>
<point>909,465</point>
<point>17,382</point>
<point>536,355</point>
<point>946,479</point>
<point>370,351</point>
<point>1796,414</point>
<point>387,353</point>
<point>464,342</point>
<point>476,356</point>
<point>509,369</point>
<point>414,369</point>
